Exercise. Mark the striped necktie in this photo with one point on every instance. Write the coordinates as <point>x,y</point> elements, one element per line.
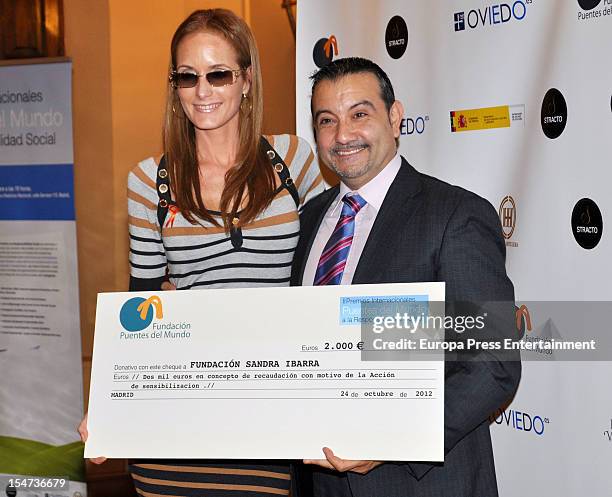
<point>335,254</point>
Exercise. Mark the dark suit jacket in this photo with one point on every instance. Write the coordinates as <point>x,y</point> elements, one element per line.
<point>428,230</point>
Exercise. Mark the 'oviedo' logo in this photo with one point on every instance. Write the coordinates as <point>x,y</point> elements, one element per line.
<point>137,313</point>
<point>491,15</point>
<point>520,421</point>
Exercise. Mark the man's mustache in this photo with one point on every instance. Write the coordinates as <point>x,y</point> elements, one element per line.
<point>343,147</point>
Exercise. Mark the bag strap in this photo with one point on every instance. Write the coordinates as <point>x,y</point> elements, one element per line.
<point>163,181</point>
<point>282,170</point>
<point>163,192</point>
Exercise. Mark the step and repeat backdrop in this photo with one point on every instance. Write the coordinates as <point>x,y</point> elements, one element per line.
<point>513,101</point>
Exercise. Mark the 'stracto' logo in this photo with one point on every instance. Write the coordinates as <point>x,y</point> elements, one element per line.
<point>553,114</point>
<point>523,320</point>
<point>587,223</point>
<point>396,37</point>
<point>507,216</point>
<point>137,313</point>
<point>491,15</point>
<point>324,51</point>
<point>588,4</point>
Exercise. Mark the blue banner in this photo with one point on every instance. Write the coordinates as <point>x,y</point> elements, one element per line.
<point>37,193</point>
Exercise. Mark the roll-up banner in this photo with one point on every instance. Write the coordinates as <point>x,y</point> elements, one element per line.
<point>41,399</point>
<point>511,100</point>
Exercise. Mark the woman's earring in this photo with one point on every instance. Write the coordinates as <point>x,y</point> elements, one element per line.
<point>245,105</point>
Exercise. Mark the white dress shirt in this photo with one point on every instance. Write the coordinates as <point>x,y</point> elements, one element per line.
<point>373,192</point>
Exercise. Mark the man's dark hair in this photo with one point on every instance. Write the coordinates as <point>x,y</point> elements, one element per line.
<point>355,65</point>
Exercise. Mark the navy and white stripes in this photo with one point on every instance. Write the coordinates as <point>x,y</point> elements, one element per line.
<point>203,256</point>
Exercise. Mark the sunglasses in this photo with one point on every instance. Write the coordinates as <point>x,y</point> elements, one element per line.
<point>216,79</point>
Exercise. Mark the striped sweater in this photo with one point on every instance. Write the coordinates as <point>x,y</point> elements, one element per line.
<point>210,479</point>
<point>203,256</point>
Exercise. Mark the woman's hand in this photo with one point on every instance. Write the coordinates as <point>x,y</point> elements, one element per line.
<point>82,429</point>
<point>166,285</point>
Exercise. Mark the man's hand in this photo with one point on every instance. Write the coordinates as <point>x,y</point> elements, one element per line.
<point>166,285</point>
<point>82,429</point>
<point>343,465</point>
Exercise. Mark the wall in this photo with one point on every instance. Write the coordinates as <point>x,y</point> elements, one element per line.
<point>277,47</point>
<point>87,43</point>
<point>140,33</point>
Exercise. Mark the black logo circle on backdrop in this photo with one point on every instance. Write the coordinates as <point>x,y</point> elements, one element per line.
<point>588,4</point>
<point>554,113</point>
<point>323,52</point>
<point>396,37</point>
<point>587,223</point>
<point>11,491</point>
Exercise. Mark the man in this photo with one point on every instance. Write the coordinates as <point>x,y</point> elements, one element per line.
<point>387,223</point>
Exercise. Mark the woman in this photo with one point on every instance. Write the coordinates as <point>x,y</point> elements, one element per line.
<point>227,218</point>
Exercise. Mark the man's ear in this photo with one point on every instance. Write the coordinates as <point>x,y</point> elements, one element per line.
<point>396,114</point>
<point>312,121</point>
